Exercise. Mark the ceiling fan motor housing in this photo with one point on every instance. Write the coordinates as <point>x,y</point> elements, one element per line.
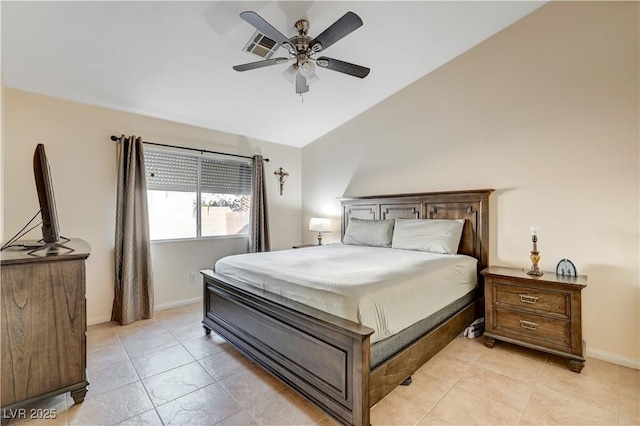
<point>302,26</point>
<point>302,42</point>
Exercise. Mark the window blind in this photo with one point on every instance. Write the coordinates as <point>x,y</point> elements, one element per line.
<point>171,172</point>
<point>175,172</point>
<point>225,177</point>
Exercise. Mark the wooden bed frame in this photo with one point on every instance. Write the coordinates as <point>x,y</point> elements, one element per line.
<point>326,358</point>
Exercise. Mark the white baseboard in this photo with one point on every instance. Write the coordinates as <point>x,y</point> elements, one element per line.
<point>613,358</point>
<point>99,320</point>
<point>161,307</point>
<point>183,302</point>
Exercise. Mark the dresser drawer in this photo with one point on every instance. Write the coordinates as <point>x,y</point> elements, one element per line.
<point>554,302</point>
<point>536,327</point>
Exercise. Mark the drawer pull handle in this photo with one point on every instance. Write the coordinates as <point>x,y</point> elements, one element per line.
<point>528,299</point>
<point>529,325</point>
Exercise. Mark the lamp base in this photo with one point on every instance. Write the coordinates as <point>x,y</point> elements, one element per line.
<point>319,238</point>
<point>535,258</point>
<point>536,271</point>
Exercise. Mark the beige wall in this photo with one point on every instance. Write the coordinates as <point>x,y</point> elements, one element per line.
<point>546,112</point>
<point>83,164</point>
<point>2,238</point>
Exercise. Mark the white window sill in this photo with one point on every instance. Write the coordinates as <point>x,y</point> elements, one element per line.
<point>182,240</point>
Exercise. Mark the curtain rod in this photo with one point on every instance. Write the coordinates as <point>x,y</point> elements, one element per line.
<point>115,138</point>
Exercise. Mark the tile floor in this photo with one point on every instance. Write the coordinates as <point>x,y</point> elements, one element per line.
<point>166,371</point>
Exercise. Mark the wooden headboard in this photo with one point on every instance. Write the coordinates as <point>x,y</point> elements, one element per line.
<point>473,206</point>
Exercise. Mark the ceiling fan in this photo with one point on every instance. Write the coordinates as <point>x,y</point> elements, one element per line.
<point>304,49</point>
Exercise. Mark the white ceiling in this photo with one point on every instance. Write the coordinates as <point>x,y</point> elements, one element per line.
<point>173,60</point>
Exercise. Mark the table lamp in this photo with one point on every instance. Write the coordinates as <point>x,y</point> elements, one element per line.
<point>319,225</point>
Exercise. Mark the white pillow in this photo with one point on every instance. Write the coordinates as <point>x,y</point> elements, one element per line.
<point>432,235</point>
<point>374,233</point>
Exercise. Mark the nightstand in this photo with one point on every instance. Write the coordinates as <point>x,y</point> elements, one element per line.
<point>304,245</point>
<point>538,312</point>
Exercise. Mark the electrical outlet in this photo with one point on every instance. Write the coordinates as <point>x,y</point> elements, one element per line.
<point>192,277</point>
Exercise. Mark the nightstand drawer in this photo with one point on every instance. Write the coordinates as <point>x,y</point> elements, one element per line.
<point>534,299</point>
<point>538,327</point>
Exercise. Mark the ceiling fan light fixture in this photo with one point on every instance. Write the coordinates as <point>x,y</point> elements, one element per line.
<point>307,69</point>
<point>312,79</point>
<point>290,73</point>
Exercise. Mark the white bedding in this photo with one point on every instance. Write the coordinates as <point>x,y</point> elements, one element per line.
<point>383,288</point>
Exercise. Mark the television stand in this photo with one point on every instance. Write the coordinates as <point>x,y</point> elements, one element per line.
<point>43,326</point>
<point>51,248</point>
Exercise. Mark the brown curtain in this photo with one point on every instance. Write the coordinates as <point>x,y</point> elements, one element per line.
<point>134,279</point>
<point>259,220</point>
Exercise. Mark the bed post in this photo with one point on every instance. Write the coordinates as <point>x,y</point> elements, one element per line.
<point>361,369</point>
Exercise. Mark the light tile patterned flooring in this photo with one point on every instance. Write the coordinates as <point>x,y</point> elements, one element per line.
<point>166,371</point>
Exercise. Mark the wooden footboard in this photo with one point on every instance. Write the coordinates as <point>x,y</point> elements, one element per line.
<point>323,357</point>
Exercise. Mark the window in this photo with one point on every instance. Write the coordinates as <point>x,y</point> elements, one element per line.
<point>194,196</point>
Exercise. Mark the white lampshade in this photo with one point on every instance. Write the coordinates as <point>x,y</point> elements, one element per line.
<point>307,68</point>
<point>290,73</point>
<point>312,79</point>
<point>319,224</point>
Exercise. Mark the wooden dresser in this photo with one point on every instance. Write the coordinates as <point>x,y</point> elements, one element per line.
<point>43,324</point>
<point>542,313</point>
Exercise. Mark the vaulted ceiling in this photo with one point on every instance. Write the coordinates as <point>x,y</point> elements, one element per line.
<point>173,60</point>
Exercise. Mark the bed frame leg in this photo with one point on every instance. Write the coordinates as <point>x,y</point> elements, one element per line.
<point>407,381</point>
<point>207,330</point>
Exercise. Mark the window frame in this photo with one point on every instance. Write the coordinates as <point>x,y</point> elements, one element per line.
<point>198,157</point>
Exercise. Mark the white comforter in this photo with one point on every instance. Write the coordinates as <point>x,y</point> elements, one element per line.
<point>383,288</point>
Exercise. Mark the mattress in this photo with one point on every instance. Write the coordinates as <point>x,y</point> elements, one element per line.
<point>382,350</point>
<point>382,288</point>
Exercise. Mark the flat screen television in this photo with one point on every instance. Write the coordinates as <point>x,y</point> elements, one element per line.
<point>50,228</point>
<point>44,186</point>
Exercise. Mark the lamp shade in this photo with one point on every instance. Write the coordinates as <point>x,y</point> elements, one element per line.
<point>290,73</point>
<point>312,79</point>
<point>307,68</point>
<point>319,224</point>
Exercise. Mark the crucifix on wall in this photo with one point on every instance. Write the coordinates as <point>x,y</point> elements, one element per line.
<point>282,177</point>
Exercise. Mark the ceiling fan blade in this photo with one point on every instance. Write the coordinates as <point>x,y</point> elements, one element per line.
<point>339,29</point>
<point>301,84</point>
<point>266,28</point>
<point>260,64</point>
<point>344,67</point>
